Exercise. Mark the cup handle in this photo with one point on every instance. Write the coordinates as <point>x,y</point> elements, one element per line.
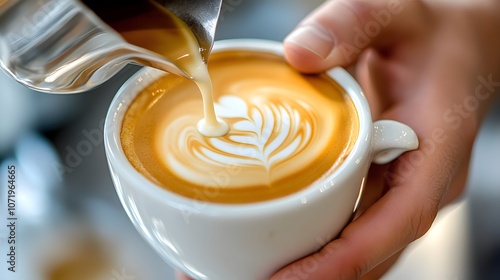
<point>391,139</point>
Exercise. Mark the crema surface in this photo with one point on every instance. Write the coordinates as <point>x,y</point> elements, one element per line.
<point>287,130</point>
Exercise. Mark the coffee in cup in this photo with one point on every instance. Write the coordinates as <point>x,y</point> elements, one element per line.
<point>287,130</point>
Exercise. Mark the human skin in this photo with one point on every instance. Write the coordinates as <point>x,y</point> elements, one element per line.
<point>433,65</point>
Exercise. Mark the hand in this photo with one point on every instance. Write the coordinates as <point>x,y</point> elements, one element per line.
<point>428,64</point>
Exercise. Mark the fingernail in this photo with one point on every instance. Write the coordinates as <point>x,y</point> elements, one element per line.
<point>313,38</point>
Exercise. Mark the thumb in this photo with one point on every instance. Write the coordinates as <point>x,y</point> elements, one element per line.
<point>338,31</point>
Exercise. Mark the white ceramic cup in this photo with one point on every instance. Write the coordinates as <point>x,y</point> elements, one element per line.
<point>248,241</point>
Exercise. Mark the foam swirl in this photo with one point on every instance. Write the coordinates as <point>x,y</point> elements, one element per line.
<point>287,131</point>
<point>267,131</point>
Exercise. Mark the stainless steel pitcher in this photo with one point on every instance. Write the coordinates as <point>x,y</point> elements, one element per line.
<point>61,46</point>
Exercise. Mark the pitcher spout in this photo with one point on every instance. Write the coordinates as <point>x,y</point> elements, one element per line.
<point>61,46</point>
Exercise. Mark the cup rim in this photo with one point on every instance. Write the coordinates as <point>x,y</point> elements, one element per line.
<point>129,90</point>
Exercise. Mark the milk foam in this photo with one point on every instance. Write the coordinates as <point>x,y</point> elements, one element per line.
<point>210,125</point>
<point>267,129</point>
<point>287,130</point>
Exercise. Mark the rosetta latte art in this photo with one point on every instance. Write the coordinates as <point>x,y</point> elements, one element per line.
<point>286,131</point>
<point>265,132</point>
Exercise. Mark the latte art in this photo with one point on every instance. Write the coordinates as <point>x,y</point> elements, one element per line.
<point>262,136</point>
<point>267,130</point>
<point>287,130</point>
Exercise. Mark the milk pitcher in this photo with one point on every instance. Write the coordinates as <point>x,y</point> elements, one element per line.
<point>63,46</point>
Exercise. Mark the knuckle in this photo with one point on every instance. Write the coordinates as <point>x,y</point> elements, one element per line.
<point>359,8</point>
<point>359,270</point>
<point>422,222</point>
<point>355,268</point>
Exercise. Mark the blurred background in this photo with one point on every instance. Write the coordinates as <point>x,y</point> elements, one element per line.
<point>72,226</point>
